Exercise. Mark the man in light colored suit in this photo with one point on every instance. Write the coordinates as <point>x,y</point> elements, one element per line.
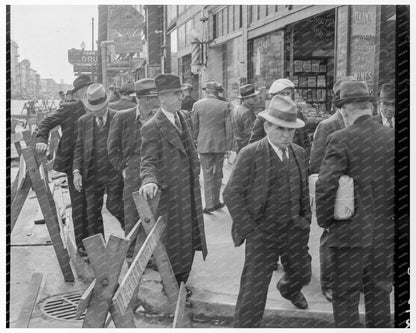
<point>209,122</point>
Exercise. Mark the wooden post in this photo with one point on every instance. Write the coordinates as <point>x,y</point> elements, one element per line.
<point>147,214</point>
<point>181,319</point>
<point>49,212</point>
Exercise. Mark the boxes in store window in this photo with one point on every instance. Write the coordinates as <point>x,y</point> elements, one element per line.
<point>295,80</point>
<point>298,65</point>
<point>311,81</point>
<point>315,66</point>
<point>307,65</point>
<point>303,82</point>
<point>321,81</point>
<point>322,68</point>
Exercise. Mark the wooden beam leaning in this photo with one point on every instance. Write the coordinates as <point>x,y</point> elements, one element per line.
<point>130,284</point>
<point>85,300</point>
<point>147,214</point>
<point>49,213</point>
<point>181,319</point>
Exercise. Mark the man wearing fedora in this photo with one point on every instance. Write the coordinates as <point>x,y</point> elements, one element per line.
<point>187,100</point>
<point>123,144</point>
<point>245,115</point>
<point>124,102</point>
<point>66,117</point>
<point>209,123</point>
<point>322,131</point>
<point>362,247</point>
<point>93,172</point>
<point>169,163</point>
<point>387,105</point>
<point>267,196</point>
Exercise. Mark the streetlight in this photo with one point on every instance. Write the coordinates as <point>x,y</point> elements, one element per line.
<point>82,46</point>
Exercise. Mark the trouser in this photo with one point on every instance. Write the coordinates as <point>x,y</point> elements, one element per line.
<point>262,251</point>
<point>373,267</point>
<point>212,164</point>
<point>325,262</point>
<point>94,193</point>
<point>79,211</point>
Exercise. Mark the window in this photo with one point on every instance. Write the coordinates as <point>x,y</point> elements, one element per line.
<point>220,24</point>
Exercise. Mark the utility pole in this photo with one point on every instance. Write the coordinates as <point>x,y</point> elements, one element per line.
<point>92,30</point>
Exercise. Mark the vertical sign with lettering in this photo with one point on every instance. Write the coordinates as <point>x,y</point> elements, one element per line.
<point>342,42</point>
<point>363,44</point>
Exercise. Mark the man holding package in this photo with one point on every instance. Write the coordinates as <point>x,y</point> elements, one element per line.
<point>362,246</point>
<point>267,196</point>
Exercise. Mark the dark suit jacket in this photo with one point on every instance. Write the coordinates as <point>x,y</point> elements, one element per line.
<point>324,128</point>
<point>365,152</point>
<point>246,191</point>
<point>164,161</point>
<point>122,137</point>
<point>209,123</point>
<point>244,121</point>
<point>66,116</point>
<point>84,145</point>
<point>122,104</point>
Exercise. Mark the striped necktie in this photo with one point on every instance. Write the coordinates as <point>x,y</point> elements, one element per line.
<point>178,123</point>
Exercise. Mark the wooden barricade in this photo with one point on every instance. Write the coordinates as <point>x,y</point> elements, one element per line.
<point>104,295</point>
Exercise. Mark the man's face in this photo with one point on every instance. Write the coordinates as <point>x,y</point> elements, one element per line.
<point>147,103</point>
<point>100,112</point>
<point>171,101</point>
<point>387,107</point>
<point>252,100</point>
<point>281,137</point>
<point>285,92</point>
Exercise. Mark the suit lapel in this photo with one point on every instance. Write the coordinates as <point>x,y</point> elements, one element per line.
<point>168,130</point>
<point>89,136</point>
<point>340,120</point>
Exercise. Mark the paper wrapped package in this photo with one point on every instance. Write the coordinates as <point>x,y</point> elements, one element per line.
<point>344,201</point>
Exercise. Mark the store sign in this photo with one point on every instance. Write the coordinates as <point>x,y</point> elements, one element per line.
<point>125,44</point>
<point>85,68</point>
<point>82,57</point>
<point>124,17</point>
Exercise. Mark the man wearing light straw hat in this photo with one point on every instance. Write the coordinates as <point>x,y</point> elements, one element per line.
<point>267,196</point>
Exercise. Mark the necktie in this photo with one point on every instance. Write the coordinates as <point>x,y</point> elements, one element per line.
<point>100,122</point>
<point>285,159</point>
<point>178,123</point>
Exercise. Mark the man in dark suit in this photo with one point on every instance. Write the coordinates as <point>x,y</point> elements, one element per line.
<point>66,117</point>
<point>362,247</point>
<point>124,102</point>
<point>209,119</point>
<point>187,101</point>
<point>325,128</point>
<point>93,172</point>
<point>169,163</point>
<point>245,115</point>
<point>267,196</point>
<point>123,144</point>
<point>387,105</point>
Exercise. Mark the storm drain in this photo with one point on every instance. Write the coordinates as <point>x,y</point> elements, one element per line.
<point>62,306</point>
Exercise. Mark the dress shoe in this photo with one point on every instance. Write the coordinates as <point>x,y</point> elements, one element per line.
<point>188,292</point>
<point>299,301</point>
<point>82,252</point>
<point>328,294</point>
<point>208,211</point>
<point>219,206</point>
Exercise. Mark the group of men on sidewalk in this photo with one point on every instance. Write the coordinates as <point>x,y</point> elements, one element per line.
<point>154,146</point>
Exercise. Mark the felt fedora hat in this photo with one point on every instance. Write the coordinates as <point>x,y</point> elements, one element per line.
<point>80,82</point>
<point>388,92</point>
<point>96,97</point>
<point>282,111</point>
<point>248,90</point>
<point>211,85</point>
<point>145,87</point>
<point>127,88</point>
<point>353,91</point>
<point>167,83</point>
<point>280,85</point>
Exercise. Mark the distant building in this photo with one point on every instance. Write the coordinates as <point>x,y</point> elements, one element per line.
<point>15,74</point>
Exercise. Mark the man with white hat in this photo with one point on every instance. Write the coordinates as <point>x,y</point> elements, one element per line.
<point>123,144</point>
<point>267,196</point>
<point>93,172</point>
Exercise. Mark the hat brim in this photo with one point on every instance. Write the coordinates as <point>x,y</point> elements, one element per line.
<point>169,90</point>
<point>126,91</point>
<point>81,86</point>
<point>340,102</point>
<point>145,95</point>
<point>253,94</point>
<point>97,107</point>
<point>287,124</point>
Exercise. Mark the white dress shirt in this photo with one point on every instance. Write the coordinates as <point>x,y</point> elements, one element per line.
<point>170,116</point>
<point>279,151</point>
<point>104,118</point>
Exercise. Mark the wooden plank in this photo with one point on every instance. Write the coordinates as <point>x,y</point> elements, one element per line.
<point>19,200</point>
<point>130,283</point>
<point>49,212</point>
<point>14,186</point>
<point>181,319</point>
<point>106,262</point>
<point>146,211</point>
<point>85,300</point>
<point>15,137</point>
<point>27,137</point>
<point>38,216</point>
<point>134,231</point>
<point>29,302</point>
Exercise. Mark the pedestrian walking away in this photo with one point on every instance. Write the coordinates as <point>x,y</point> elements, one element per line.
<point>67,117</point>
<point>169,163</point>
<point>362,246</point>
<point>93,172</point>
<point>267,196</point>
<point>209,122</point>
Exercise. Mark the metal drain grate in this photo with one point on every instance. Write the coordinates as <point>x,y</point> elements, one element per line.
<point>62,307</point>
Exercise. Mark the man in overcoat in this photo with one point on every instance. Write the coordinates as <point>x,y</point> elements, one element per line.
<point>67,117</point>
<point>362,247</point>
<point>123,144</point>
<point>267,196</point>
<point>124,102</point>
<point>325,128</point>
<point>209,119</point>
<point>169,163</point>
<point>93,172</point>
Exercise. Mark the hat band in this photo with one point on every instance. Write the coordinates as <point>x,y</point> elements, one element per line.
<point>285,116</point>
<point>146,92</point>
<point>251,91</point>
<point>98,101</point>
